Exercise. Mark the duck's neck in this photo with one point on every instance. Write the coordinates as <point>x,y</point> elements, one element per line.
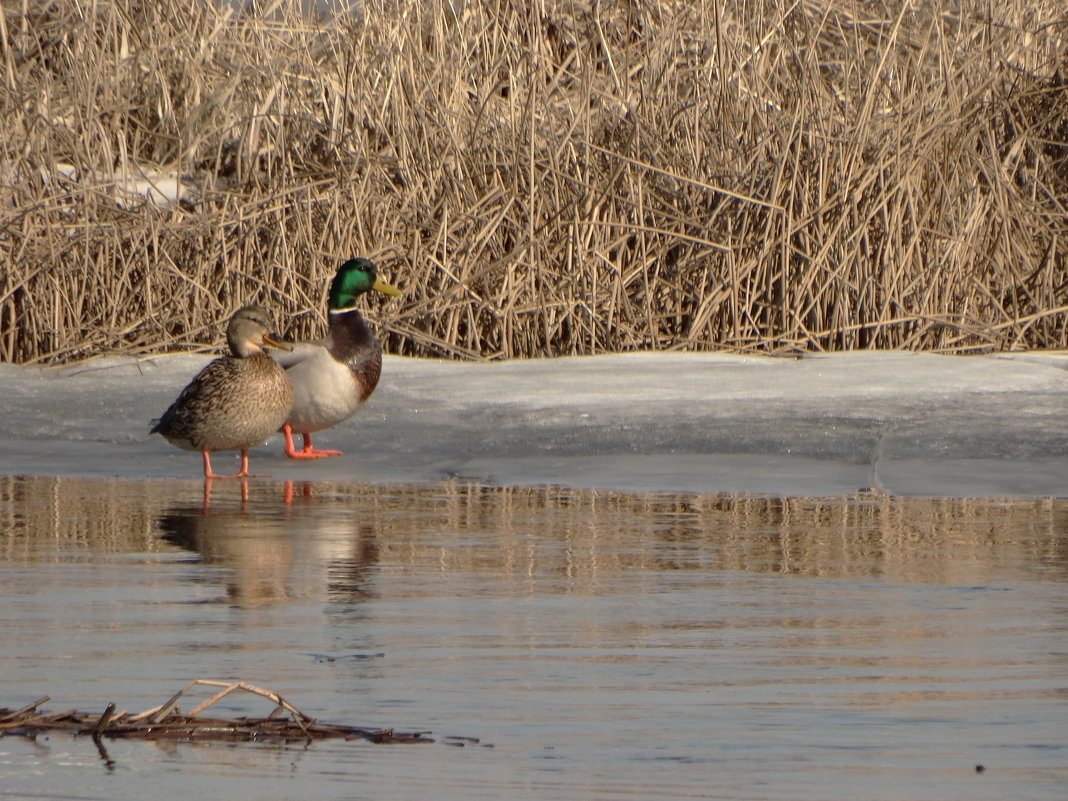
<point>351,342</point>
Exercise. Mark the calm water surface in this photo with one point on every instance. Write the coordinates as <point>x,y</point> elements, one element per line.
<point>598,645</point>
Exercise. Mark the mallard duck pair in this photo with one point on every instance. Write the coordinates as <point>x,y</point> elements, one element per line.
<point>240,400</point>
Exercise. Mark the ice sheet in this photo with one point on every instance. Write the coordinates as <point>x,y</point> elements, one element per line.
<point>915,424</point>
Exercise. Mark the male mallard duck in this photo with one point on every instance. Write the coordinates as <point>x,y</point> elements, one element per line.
<point>333,376</point>
<point>236,401</point>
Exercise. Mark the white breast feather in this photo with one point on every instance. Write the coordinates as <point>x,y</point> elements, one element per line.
<point>324,391</point>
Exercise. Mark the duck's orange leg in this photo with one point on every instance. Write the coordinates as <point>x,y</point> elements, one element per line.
<point>244,473</point>
<point>307,452</point>
<point>206,454</point>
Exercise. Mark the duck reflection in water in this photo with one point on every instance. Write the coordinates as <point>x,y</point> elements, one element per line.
<point>209,483</point>
<point>277,551</point>
<point>287,492</point>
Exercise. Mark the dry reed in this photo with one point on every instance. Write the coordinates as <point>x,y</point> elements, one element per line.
<point>541,178</point>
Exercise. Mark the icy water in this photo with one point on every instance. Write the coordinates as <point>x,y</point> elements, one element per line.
<point>595,644</point>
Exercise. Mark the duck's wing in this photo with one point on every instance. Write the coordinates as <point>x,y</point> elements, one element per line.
<point>208,389</point>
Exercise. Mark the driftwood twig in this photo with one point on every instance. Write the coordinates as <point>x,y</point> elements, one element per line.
<point>166,722</point>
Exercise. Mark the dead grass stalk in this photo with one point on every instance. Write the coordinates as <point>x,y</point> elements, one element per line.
<point>541,178</point>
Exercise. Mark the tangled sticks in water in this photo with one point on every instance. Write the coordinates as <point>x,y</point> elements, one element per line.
<point>166,722</point>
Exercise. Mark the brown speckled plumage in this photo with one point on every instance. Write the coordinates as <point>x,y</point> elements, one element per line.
<point>236,401</point>
<point>232,403</point>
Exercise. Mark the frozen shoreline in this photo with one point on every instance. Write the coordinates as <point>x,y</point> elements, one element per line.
<point>909,424</point>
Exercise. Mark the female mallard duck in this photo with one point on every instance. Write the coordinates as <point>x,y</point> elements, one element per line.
<point>236,401</point>
<point>333,376</point>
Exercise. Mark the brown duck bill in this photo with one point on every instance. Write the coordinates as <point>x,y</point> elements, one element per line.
<point>274,342</point>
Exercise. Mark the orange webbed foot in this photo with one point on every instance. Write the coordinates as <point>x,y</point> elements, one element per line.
<point>308,451</point>
<point>312,453</point>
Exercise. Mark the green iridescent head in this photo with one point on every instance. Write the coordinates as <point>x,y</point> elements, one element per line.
<point>353,278</point>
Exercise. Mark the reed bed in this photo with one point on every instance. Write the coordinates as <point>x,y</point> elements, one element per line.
<point>541,178</point>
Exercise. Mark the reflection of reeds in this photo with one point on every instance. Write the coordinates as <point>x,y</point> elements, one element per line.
<point>914,539</point>
<point>521,534</point>
<point>44,518</point>
<point>541,178</point>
